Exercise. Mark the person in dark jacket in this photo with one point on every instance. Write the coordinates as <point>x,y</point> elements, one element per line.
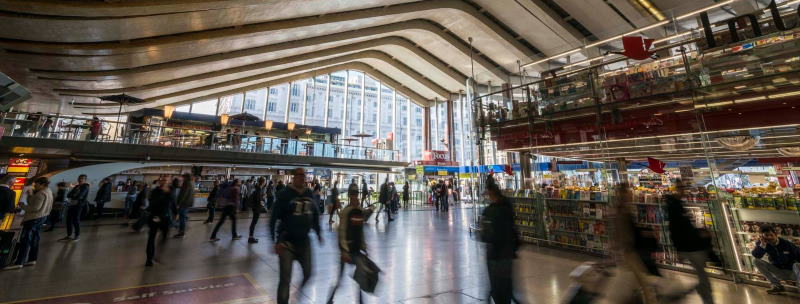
<point>784,259</point>
<point>334,201</point>
<point>405,195</point>
<point>256,202</point>
<point>77,201</point>
<point>228,199</point>
<point>60,203</point>
<point>185,201</point>
<point>7,196</point>
<point>364,192</point>
<point>688,241</point>
<point>270,193</point>
<point>279,187</point>
<point>158,218</point>
<point>297,213</point>
<point>352,247</point>
<point>102,197</point>
<point>211,202</point>
<point>502,241</point>
<point>384,199</point>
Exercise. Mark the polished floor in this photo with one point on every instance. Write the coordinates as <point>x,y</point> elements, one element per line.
<point>426,257</point>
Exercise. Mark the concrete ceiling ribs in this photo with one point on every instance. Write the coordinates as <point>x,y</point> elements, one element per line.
<point>181,50</point>
<point>78,55</point>
<point>150,92</point>
<point>199,96</point>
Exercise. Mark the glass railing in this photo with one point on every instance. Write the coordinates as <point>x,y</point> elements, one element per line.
<point>58,127</point>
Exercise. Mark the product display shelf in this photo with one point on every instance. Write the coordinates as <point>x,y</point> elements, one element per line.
<point>746,219</point>
<point>527,206</point>
<point>576,224</point>
<point>650,214</point>
<point>765,55</point>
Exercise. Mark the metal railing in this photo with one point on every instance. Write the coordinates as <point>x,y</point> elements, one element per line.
<point>59,127</point>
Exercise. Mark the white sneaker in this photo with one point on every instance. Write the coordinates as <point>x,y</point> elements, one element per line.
<point>31,263</point>
<point>13,267</point>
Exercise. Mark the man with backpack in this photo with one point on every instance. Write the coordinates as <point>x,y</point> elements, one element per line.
<point>297,213</point>
<point>185,201</point>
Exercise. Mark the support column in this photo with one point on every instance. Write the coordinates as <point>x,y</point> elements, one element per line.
<point>305,101</point>
<point>327,102</point>
<point>426,128</point>
<point>395,121</point>
<point>363,107</point>
<point>463,127</point>
<point>288,102</point>
<point>378,123</point>
<point>408,126</point>
<point>344,106</point>
<point>525,169</point>
<point>450,132</point>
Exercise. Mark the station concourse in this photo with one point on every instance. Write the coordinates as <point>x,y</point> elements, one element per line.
<point>400,151</point>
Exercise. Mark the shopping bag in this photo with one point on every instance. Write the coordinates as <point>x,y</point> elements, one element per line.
<point>366,274</point>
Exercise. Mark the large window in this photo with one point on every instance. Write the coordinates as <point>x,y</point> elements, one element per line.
<point>255,102</point>
<point>296,101</point>
<point>315,100</point>
<point>336,99</point>
<point>208,107</point>
<point>416,143</point>
<point>183,108</point>
<point>276,107</point>
<point>371,111</point>
<point>353,123</point>
<point>350,100</point>
<point>230,104</point>
<point>401,127</point>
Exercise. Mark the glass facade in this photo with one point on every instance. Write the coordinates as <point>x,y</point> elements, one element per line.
<point>348,100</point>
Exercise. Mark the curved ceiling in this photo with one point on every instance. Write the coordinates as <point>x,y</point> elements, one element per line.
<point>191,49</point>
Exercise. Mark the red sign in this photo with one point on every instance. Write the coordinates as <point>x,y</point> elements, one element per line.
<point>19,165</point>
<point>210,290</point>
<point>434,155</point>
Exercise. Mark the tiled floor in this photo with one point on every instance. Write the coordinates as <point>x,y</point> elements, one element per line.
<point>426,257</point>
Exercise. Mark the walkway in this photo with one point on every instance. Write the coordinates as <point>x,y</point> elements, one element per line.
<point>426,258</point>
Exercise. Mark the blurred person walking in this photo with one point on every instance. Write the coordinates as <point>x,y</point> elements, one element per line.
<point>352,247</point>
<point>633,247</point>
<point>502,242</point>
<point>384,200</point>
<point>36,210</point>
<point>158,217</point>
<point>211,202</point>
<point>256,202</point>
<point>297,213</point>
<point>102,197</point>
<point>688,241</point>
<point>228,199</point>
<point>60,203</point>
<point>185,201</point>
<point>334,199</point>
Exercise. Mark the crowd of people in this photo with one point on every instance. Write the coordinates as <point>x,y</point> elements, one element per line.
<point>294,210</point>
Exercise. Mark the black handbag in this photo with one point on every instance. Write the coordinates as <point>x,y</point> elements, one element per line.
<point>366,274</point>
